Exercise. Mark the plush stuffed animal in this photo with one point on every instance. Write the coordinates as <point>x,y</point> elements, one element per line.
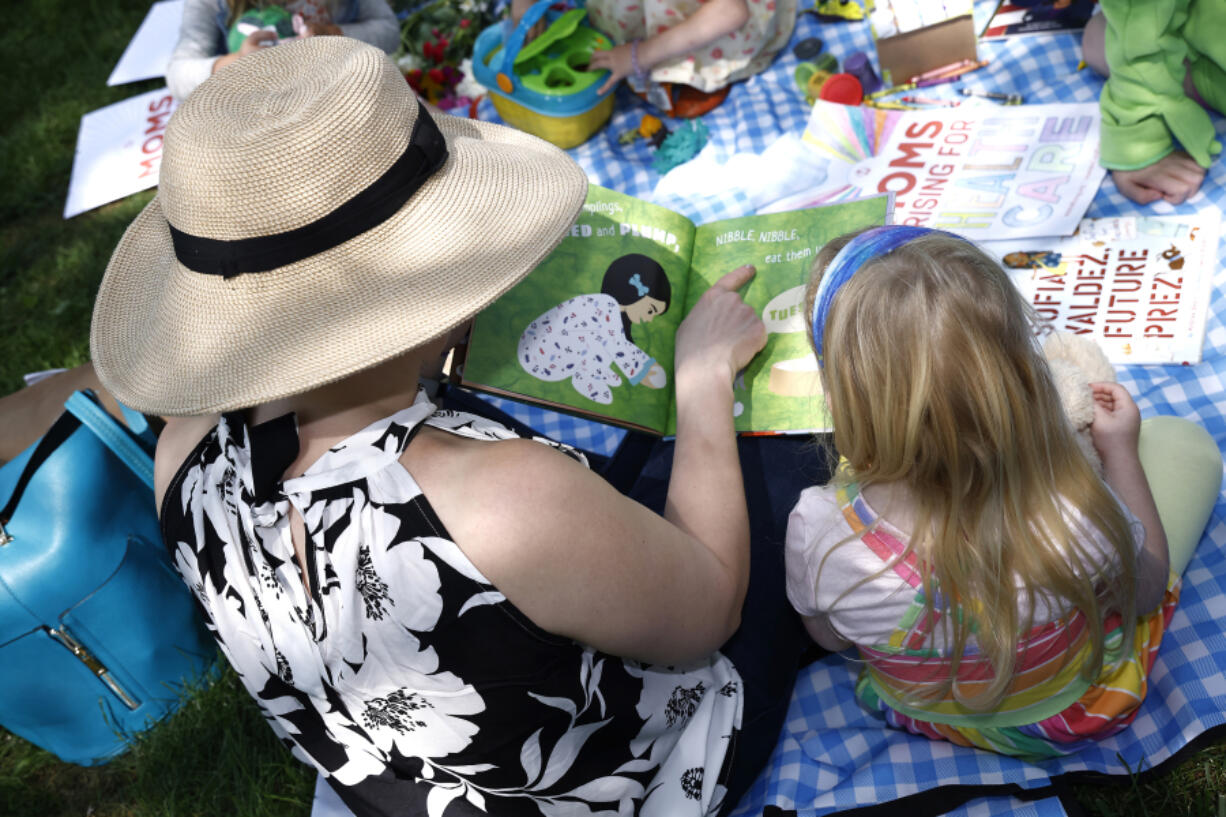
<point>1076,362</point>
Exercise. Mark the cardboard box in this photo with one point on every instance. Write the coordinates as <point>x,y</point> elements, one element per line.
<point>905,55</point>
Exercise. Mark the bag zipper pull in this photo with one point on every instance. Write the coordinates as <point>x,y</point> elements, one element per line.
<point>95,666</point>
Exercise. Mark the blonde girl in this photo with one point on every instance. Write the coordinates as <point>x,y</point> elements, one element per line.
<point>1001,594</point>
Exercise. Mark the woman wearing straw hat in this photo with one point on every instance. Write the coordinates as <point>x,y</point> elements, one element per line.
<point>438,616</point>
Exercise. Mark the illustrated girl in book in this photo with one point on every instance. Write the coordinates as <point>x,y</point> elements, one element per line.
<point>585,337</point>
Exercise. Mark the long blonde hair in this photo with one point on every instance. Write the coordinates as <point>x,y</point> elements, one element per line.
<point>934,380</point>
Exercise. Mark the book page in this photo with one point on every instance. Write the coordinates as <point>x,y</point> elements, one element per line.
<point>1139,286</point>
<point>989,172</point>
<point>779,391</point>
<point>591,329</point>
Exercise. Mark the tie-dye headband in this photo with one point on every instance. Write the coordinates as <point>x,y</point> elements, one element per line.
<point>856,253</point>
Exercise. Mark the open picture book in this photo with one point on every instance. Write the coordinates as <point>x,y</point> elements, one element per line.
<point>591,330</point>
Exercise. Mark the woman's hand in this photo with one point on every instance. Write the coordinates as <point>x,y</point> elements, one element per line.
<point>721,333</point>
<point>254,42</point>
<point>616,61</point>
<point>1117,421</point>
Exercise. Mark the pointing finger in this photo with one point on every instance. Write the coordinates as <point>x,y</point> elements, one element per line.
<point>736,279</point>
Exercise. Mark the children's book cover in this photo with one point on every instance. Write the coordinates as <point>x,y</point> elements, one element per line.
<point>1140,286</point>
<point>1014,19</point>
<point>981,172</point>
<point>591,330</point>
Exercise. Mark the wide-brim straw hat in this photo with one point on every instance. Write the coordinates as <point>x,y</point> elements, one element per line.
<point>273,161</point>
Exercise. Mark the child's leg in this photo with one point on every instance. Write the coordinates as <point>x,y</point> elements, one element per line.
<point>1093,45</point>
<point>1184,468</point>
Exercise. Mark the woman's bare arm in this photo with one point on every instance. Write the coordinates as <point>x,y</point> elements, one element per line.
<point>581,560</point>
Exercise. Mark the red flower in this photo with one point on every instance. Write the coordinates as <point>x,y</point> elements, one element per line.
<point>436,76</point>
<point>465,22</point>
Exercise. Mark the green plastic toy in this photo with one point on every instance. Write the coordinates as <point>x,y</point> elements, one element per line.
<point>270,18</point>
<point>555,63</point>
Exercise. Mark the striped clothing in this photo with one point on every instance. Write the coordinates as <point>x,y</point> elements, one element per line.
<point>1048,710</point>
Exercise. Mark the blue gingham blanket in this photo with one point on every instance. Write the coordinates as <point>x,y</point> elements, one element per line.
<point>832,755</point>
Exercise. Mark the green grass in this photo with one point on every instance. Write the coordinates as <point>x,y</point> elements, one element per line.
<point>58,55</point>
<point>216,757</point>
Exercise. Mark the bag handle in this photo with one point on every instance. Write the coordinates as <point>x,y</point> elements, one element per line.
<point>122,443</point>
<point>514,40</point>
<point>82,408</point>
<point>138,425</point>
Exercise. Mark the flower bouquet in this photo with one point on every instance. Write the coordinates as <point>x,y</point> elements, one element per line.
<point>436,46</point>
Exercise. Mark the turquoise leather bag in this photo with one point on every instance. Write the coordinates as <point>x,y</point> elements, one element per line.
<point>97,631</point>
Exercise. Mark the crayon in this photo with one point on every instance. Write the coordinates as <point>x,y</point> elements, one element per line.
<point>1008,99</point>
<point>891,106</point>
<point>944,69</point>
<point>893,89</point>
<point>941,80</point>
<point>928,100</point>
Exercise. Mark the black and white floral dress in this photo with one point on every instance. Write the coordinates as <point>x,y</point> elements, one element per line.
<point>404,675</point>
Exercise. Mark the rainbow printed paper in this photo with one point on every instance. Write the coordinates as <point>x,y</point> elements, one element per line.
<point>982,172</point>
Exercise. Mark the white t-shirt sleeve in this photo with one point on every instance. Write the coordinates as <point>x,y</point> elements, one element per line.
<point>831,573</point>
<point>801,560</point>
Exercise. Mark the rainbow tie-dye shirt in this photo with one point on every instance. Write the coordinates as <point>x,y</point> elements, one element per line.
<point>1049,709</point>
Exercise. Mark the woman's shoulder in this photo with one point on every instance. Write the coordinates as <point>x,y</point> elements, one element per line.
<point>180,437</point>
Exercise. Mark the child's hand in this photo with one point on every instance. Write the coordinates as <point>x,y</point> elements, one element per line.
<point>721,333</point>
<point>254,42</point>
<point>1174,178</point>
<point>616,61</point>
<point>1117,421</point>
<point>322,29</point>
